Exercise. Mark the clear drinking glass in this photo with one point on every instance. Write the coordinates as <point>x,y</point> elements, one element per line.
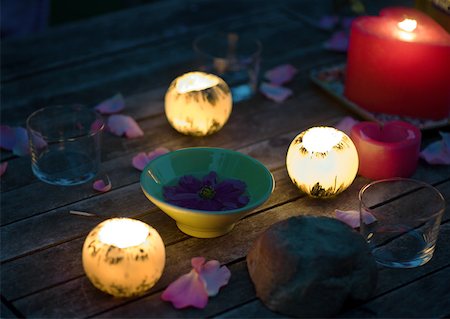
<point>408,214</point>
<point>65,144</point>
<point>233,57</point>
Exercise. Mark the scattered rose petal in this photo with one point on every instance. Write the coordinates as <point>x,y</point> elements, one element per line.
<point>142,159</point>
<point>438,152</point>
<point>346,124</point>
<point>101,186</point>
<point>274,92</point>
<point>346,22</point>
<point>121,125</point>
<point>14,139</point>
<point>3,167</point>
<point>193,289</point>
<point>338,42</point>
<point>328,22</point>
<point>281,74</point>
<point>351,217</point>
<point>112,105</point>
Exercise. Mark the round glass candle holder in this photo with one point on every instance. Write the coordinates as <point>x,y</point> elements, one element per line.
<point>123,257</point>
<point>407,215</point>
<point>65,144</point>
<point>198,103</point>
<point>322,161</point>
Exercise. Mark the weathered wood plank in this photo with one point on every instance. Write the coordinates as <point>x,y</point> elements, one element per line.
<point>5,311</point>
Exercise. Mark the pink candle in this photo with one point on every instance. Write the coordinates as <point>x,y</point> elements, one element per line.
<point>386,151</point>
<point>399,63</point>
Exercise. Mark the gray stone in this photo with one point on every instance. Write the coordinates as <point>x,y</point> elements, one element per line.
<point>309,266</point>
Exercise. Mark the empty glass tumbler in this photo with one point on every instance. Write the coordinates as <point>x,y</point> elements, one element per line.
<point>65,144</point>
<point>407,215</point>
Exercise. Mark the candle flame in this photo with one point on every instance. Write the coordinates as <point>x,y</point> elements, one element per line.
<point>321,139</point>
<point>196,81</point>
<point>408,25</point>
<point>123,232</point>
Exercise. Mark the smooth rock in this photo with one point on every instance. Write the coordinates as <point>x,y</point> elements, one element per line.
<point>309,266</point>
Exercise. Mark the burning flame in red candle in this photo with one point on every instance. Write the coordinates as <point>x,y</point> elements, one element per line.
<point>408,25</point>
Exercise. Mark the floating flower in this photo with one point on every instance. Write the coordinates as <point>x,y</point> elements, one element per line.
<point>142,159</point>
<point>112,105</point>
<point>194,288</point>
<point>3,167</point>
<point>438,152</point>
<point>102,185</point>
<point>14,139</point>
<point>207,193</point>
<point>281,74</point>
<point>121,125</point>
<point>351,217</point>
<point>275,92</point>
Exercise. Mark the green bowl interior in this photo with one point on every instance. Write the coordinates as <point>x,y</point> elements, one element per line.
<point>167,169</point>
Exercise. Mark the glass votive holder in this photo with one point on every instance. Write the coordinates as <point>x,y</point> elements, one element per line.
<point>233,57</point>
<point>407,215</point>
<point>65,144</point>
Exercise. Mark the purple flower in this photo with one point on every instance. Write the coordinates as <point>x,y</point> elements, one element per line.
<point>207,193</point>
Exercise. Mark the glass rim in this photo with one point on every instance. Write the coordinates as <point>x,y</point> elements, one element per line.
<point>215,35</point>
<point>49,138</point>
<point>410,180</point>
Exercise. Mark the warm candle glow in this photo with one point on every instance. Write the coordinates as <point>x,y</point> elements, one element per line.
<point>408,25</point>
<point>322,161</point>
<point>123,232</point>
<point>195,81</point>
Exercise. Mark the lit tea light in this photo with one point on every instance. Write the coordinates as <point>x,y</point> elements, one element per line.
<point>407,58</point>
<point>322,161</point>
<point>123,257</point>
<point>198,103</point>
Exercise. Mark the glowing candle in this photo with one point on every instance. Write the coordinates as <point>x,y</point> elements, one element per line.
<point>322,161</point>
<point>391,150</point>
<point>198,103</point>
<point>123,257</point>
<point>398,63</point>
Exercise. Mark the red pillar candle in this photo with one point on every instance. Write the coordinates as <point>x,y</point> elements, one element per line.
<point>399,63</point>
<point>391,150</point>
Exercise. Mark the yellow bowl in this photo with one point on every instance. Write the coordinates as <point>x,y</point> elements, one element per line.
<point>199,161</point>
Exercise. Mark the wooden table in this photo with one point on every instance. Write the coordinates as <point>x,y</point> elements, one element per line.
<point>138,52</point>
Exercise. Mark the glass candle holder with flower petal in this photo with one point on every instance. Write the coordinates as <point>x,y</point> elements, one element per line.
<point>198,103</point>
<point>322,161</point>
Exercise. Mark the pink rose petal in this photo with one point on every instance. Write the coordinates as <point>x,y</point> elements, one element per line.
<point>193,289</point>
<point>101,186</point>
<point>214,276</point>
<point>274,92</point>
<point>14,139</point>
<point>188,290</point>
<point>346,124</point>
<point>112,105</point>
<point>3,167</point>
<point>346,22</point>
<point>351,217</point>
<point>328,22</point>
<point>121,125</point>
<point>338,42</point>
<point>142,159</point>
<point>281,74</point>
<point>438,152</point>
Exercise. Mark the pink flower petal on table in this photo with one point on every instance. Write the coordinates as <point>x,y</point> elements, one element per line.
<point>351,217</point>
<point>328,22</point>
<point>274,92</point>
<point>112,105</point>
<point>338,42</point>
<point>7,137</point>
<point>346,22</point>
<point>101,186</point>
<point>3,167</point>
<point>438,152</point>
<point>121,125</point>
<point>281,74</point>
<point>346,124</point>
<point>188,290</point>
<point>21,143</point>
<point>142,159</point>
<point>214,276</point>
